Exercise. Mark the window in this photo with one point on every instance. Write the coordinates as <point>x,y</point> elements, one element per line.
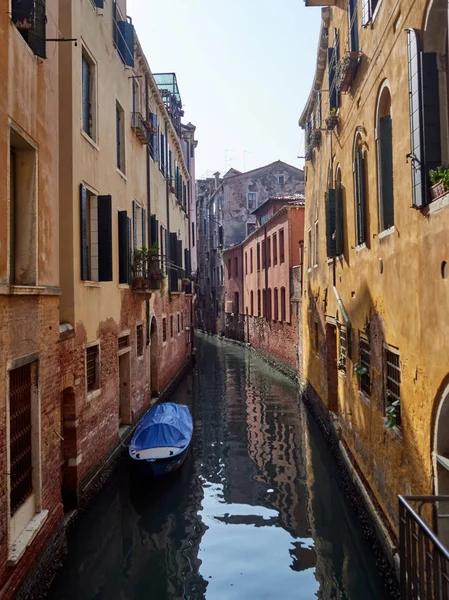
<point>229,268</point>
<point>269,315</point>
<point>92,368</point>
<point>341,363</point>
<point>258,257</point>
<point>264,303</point>
<point>139,340</point>
<point>283,305</point>
<point>139,227</point>
<point>268,252</point>
<point>315,246</point>
<point>193,234</point>
<point>258,303</point>
<point>309,249</point>
<point>124,246</point>
<point>365,365</point>
<point>393,380</point>
<point>88,95</point>
<point>251,200</point>
<point>171,325</point>
<point>179,322</point>
<point>315,335</point>
<point>236,266</point>
<point>30,19</point>
<point>123,36</point>
<point>264,218</point>
<point>251,304</point>
<point>246,263</point>
<point>353,26</point>
<point>251,260</point>
<point>368,8</point>
<point>162,157</point>
<point>276,305</point>
<point>120,137</point>
<point>275,249</point>
<point>95,236</point>
<point>123,342</point>
<point>281,246</point>
<point>222,275</point>
<point>333,60</point>
<point>236,303</point>
<point>23,209</point>
<point>21,429</point>
<point>182,320</point>
<point>164,329</point>
<point>359,192</point>
<point>281,179</point>
<point>384,142</point>
<point>264,250</point>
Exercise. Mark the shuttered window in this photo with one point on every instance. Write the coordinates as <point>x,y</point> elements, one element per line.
<point>339,220</point>
<point>258,303</point>
<point>86,95</point>
<point>416,146</point>
<point>120,137</point>
<point>124,255</point>
<point>332,64</point>
<point>154,139</point>
<point>283,305</point>
<point>368,8</point>
<point>331,248</point>
<point>360,197</point>
<point>105,270</point>
<point>95,236</point>
<point>385,145</point>
<point>353,26</point>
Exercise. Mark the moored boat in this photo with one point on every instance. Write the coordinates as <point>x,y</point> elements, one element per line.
<point>162,438</point>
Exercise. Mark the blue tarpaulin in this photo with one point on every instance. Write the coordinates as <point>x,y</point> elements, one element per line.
<point>165,425</point>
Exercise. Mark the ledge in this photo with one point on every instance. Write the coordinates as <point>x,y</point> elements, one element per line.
<point>88,139</point>
<point>360,247</point>
<point>437,204</point>
<point>29,290</point>
<point>26,537</point>
<point>386,232</point>
<point>92,284</point>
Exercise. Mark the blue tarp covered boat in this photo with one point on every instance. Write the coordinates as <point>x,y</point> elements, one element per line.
<point>162,438</point>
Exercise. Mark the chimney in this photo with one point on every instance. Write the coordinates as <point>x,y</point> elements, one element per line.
<point>217,180</point>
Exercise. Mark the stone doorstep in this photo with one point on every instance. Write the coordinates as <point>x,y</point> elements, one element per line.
<point>26,537</point>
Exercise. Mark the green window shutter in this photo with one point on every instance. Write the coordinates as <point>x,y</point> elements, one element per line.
<point>339,221</point>
<point>123,247</point>
<point>386,166</point>
<point>83,234</point>
<point>360,196</point>
<point>105,270</point>
<point>330,223</point>
<point>415,99</point>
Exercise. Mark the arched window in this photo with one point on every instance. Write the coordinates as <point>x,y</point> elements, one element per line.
<point>251,303</point>
<point>276,305</point>
<point>361,210</point>
<point>283,306</point>
<point>384,142</point>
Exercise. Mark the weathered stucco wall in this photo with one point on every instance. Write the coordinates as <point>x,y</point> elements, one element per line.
<point>393,283</point>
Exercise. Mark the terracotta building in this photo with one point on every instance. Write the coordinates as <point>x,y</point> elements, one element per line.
<point>376,290</point>
<point>225,218</point>
<point>125,308</point>
<point>263,281</point>
<point>30,447</point>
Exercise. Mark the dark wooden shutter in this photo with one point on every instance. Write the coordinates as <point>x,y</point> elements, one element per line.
<point>330,223</point>
<point>144,227</point>
<point>360,196</point>
<point>125,44</point>
<point>331,78</point>
<point>154,230</point>
<point>415,99</point>
<point>366,12</point>
<point>431,116</point>
<point>123,247</point>
<point>339,220</point>
<point>83,233</point>
<point>105,270</point>
<point>130,251</point>
<point>187,262</point>
<point>134,225</point>
<point>386,165</point>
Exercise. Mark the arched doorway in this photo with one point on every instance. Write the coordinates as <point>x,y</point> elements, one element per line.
<point>441,461</point>
<point>153,358</point>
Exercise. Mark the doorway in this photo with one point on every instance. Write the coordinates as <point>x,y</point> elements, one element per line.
<point>332,372</point>
<point>441,464</point>
<point>124,389</point>
<point>153,359</point>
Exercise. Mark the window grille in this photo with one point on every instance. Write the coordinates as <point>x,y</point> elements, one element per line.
<point>343,349</point>
<point>392,380</point>
<point>123,342</point>
<point>171,326</point>
<point>20,436</point>
<point>365,363</point>
<point>164,329</point>
<point>91,367</point>
<point>139,340</point>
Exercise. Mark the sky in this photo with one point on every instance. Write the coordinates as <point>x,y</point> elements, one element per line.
<point>244,71</point>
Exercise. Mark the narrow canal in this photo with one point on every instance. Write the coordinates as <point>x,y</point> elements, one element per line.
<point>257,511</point>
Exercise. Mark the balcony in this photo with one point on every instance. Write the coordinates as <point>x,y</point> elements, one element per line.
<point>347,70</point>
<point>141,130</point>
<point>169,91</point>
<point>320,2</point>
<point>424,558</point>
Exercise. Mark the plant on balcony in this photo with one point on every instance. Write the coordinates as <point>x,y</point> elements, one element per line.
<point>439,178</point>
<point>393,412</point>
<point>347,70</point>
<point>137,268</point>
<point>332,120</point>
<point>315,138</point>
<point>360,369</point>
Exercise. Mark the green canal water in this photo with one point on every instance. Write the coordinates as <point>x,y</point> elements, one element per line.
<point>257,512</point>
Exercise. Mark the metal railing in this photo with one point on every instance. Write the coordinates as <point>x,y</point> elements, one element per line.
<point>141,129</point>
<point>424,558</point>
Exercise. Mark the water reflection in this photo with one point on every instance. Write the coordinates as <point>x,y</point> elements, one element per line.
<point>256,512</point>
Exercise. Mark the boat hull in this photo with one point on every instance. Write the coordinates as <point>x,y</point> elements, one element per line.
<point>161,467</point>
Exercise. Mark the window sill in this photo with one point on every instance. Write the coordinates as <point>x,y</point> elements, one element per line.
<point>91,141</point>
<point>120,352</point>
<point>26,537</point>
<point>93,394</point>
<point>360,247</point>
<point>395,433</point>
<point>364,398</point>
<point>386,232</point>
<point>140,357</point>
<point>122,175</point>
<point>92,284</point>
<point>438,204</point>
<point>123,286</point>
<point>29,290</point>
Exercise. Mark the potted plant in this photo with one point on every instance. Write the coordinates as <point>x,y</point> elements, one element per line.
<point>439,178</point>
<point>137,268</point>
<point>333,119</point>
<point>393,412</point>
<point>360,369</point>
<point>347,70</point>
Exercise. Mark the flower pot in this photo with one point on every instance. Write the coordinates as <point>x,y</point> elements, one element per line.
<point>137,283</point>
<point>437,190</point>
<point>332,121</point>
<point>146,284</point>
